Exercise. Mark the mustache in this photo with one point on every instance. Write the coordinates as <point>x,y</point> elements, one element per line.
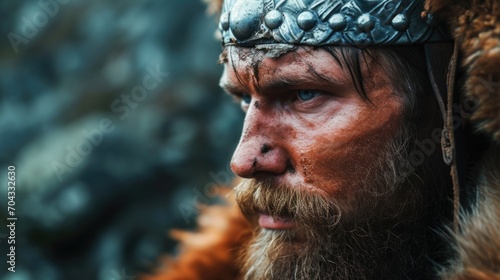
<point>305,207</point>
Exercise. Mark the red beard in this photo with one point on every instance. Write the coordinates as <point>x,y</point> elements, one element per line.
<point>378,232</point>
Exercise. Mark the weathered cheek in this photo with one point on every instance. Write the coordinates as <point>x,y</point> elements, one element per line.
<point>338,159</point>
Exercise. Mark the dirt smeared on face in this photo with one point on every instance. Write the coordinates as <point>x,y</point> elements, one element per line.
<point>314,151</point>
<point>333,145</point>
<point>347,150</point>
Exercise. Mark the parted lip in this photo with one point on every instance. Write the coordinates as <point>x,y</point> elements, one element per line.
<point>270,222</point>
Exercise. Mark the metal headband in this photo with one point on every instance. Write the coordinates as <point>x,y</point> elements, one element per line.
<point>327,22</point>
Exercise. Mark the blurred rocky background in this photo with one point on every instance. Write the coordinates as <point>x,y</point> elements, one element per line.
<point>111,114</point>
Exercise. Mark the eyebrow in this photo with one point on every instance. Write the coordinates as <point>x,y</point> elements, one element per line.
<point>281,82</point>
<point>277,83</point>
<point>286,81</point>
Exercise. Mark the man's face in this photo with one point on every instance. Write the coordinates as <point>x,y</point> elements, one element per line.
<point>321,161</point>
<point>306,124</point>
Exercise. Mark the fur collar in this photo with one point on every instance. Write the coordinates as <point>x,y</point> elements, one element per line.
<point>475,25</point>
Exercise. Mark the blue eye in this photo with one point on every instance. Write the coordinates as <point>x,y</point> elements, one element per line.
<point>246,98</point>
<point>306,95</point>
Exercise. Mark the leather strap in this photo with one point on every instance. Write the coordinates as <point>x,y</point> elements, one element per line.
<point>441,66</point>
<point>452,137</point>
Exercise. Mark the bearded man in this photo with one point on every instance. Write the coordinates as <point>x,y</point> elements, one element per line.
<point>340,154</point>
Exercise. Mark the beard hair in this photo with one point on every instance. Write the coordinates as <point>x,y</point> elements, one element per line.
<point>375,233</point>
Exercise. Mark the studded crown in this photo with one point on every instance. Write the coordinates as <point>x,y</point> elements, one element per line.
<point>327,22</point>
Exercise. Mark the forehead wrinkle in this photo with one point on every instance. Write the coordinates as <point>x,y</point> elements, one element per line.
<point>255,68</point>
<point>311,51</point>
<point>321,76</point>
<point>253,75</point>
<point>311,69</point>
<point>242,82</point>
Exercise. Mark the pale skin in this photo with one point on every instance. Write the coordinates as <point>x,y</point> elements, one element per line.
<point>306,125</point>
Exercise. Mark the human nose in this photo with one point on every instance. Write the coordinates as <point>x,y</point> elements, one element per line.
<point>260,149</point>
